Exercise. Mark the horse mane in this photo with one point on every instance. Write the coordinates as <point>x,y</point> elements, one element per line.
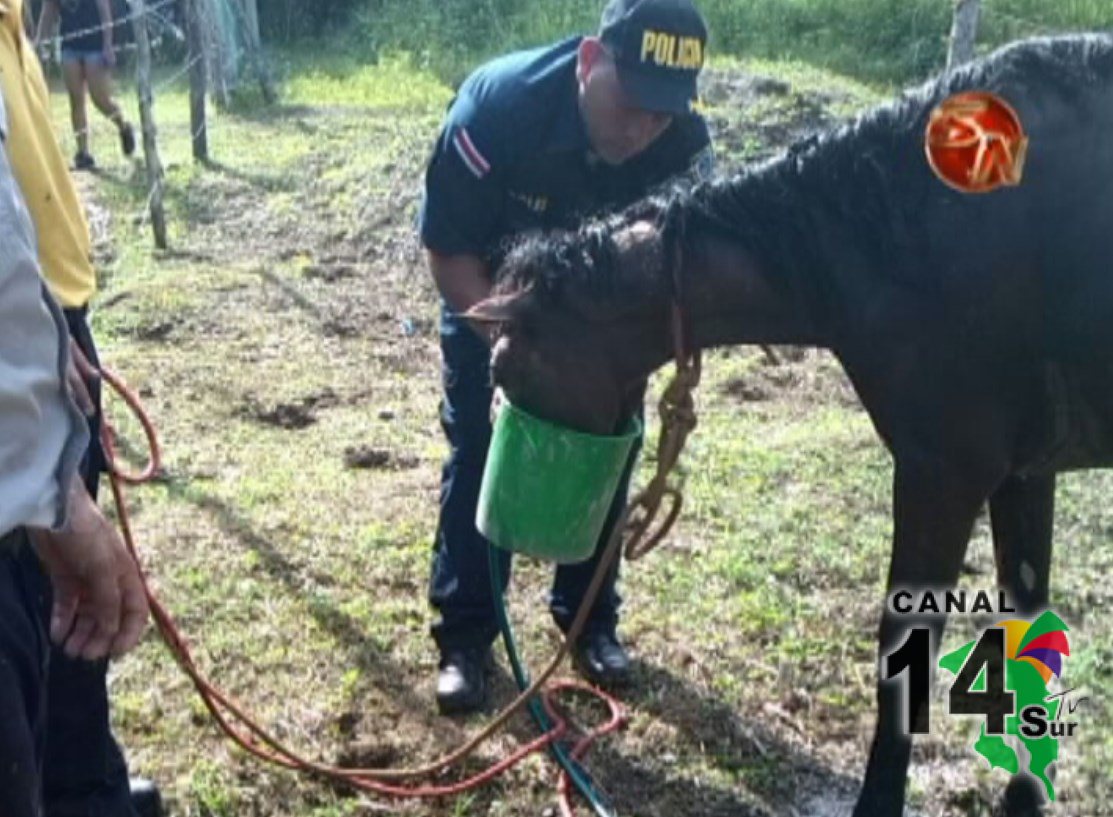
<point>777,208</point>
<point>585,259</point>
<point>781,210</point>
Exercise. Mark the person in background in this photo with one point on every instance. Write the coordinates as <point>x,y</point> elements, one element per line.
<point>535,140</point>
<point>98,607</point>
<point>88,55</point>
<point>85,772</point>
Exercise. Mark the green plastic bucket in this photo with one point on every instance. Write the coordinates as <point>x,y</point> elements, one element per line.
<point>546,488</point>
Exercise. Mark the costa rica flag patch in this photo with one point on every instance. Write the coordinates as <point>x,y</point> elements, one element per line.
<point>469,153</point>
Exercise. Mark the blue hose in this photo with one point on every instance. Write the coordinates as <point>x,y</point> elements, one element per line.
<point>578,775</point>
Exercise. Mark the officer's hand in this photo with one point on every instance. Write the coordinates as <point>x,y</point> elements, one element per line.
<point>99,605</point>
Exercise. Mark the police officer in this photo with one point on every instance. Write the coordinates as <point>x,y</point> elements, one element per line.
<point>541,139</point>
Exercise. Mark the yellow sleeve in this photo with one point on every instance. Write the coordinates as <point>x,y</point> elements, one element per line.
<point>65,250</point>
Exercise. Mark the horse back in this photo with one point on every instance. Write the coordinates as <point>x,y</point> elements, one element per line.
<point>1012,287</point>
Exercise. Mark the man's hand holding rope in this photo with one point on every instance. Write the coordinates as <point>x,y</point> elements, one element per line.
<point>100,607</point>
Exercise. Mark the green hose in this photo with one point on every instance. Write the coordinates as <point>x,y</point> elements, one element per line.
<point>578,775</point>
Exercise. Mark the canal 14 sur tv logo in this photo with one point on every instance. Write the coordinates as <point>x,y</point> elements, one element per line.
<point>1004,675</point>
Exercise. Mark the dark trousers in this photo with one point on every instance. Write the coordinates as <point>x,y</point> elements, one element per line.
<point>460,586</point>
<point>23,665</point>
<point>84,773</point>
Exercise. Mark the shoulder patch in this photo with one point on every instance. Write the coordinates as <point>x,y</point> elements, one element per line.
<point>469,153</point>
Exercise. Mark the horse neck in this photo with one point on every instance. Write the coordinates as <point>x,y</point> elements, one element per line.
<point>728,297</point>
<point>733,296</point>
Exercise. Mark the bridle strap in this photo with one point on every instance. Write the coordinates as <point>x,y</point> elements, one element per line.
<point>676,407</point>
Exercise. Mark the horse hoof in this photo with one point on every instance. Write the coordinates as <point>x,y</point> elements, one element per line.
<point>1023,798</point>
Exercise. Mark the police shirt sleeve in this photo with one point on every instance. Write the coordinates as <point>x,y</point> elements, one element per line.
<point>463,195</point>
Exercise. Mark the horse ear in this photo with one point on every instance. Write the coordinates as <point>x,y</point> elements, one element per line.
<point>498,308</point>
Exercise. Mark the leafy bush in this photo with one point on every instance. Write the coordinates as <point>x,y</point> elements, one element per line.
<point>889,41</point>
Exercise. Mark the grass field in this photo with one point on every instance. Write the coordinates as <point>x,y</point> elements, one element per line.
<point>287,348</point>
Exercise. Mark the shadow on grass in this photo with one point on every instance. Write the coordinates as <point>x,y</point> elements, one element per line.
<point>771,776</point>
<point>285,183</point>
<point>291,292</point>
<point>253,109</point>
<point>764,775</point>
<point>182,201</point>
<point>377,667</point>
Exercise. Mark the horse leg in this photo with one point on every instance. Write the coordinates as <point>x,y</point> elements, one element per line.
<point>1022,513</point>
<point>934,509</point>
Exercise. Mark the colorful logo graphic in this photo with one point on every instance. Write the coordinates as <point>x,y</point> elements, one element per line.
<point>1004,675</point>
<point>975,142</point>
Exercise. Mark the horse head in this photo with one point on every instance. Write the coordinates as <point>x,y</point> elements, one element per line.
<point>571,312</point>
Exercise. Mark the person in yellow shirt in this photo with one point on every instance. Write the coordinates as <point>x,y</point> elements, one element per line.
<point>84,770</point>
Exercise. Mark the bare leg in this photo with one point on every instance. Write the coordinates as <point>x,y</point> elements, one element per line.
<point>73,73</point>
<point>100,89</point>
<point>1022,512</point>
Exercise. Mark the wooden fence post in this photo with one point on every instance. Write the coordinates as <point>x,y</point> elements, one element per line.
<point>198,123</point>
<point>247,16</point>
<point>217,59</point>
<point>147,117</point>
<point>964,31</point>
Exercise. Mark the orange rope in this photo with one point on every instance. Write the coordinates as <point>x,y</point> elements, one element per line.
<point>256,740</point>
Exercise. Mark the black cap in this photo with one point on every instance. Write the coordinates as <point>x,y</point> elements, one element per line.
<point>658,48</point>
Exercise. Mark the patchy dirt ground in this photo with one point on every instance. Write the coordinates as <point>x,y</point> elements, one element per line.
<point>287,348</point>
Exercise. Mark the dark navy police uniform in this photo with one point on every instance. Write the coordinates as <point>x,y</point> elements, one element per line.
<point>514,155</point>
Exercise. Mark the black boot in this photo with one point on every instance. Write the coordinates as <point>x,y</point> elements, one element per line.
<point>601,658</point>
<point>127,139</point>
<point>145,797</point>
<point>462,681</point>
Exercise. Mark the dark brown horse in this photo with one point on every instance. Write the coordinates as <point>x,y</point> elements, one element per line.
<point>976,329</point>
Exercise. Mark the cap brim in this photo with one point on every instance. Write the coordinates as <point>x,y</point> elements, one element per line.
<point>652,93</point>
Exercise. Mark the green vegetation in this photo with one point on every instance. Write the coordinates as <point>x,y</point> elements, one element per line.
<point>880,41</point>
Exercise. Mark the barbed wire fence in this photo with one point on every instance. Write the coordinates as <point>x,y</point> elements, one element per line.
<point>216,40</point>
<point>59,40</point>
